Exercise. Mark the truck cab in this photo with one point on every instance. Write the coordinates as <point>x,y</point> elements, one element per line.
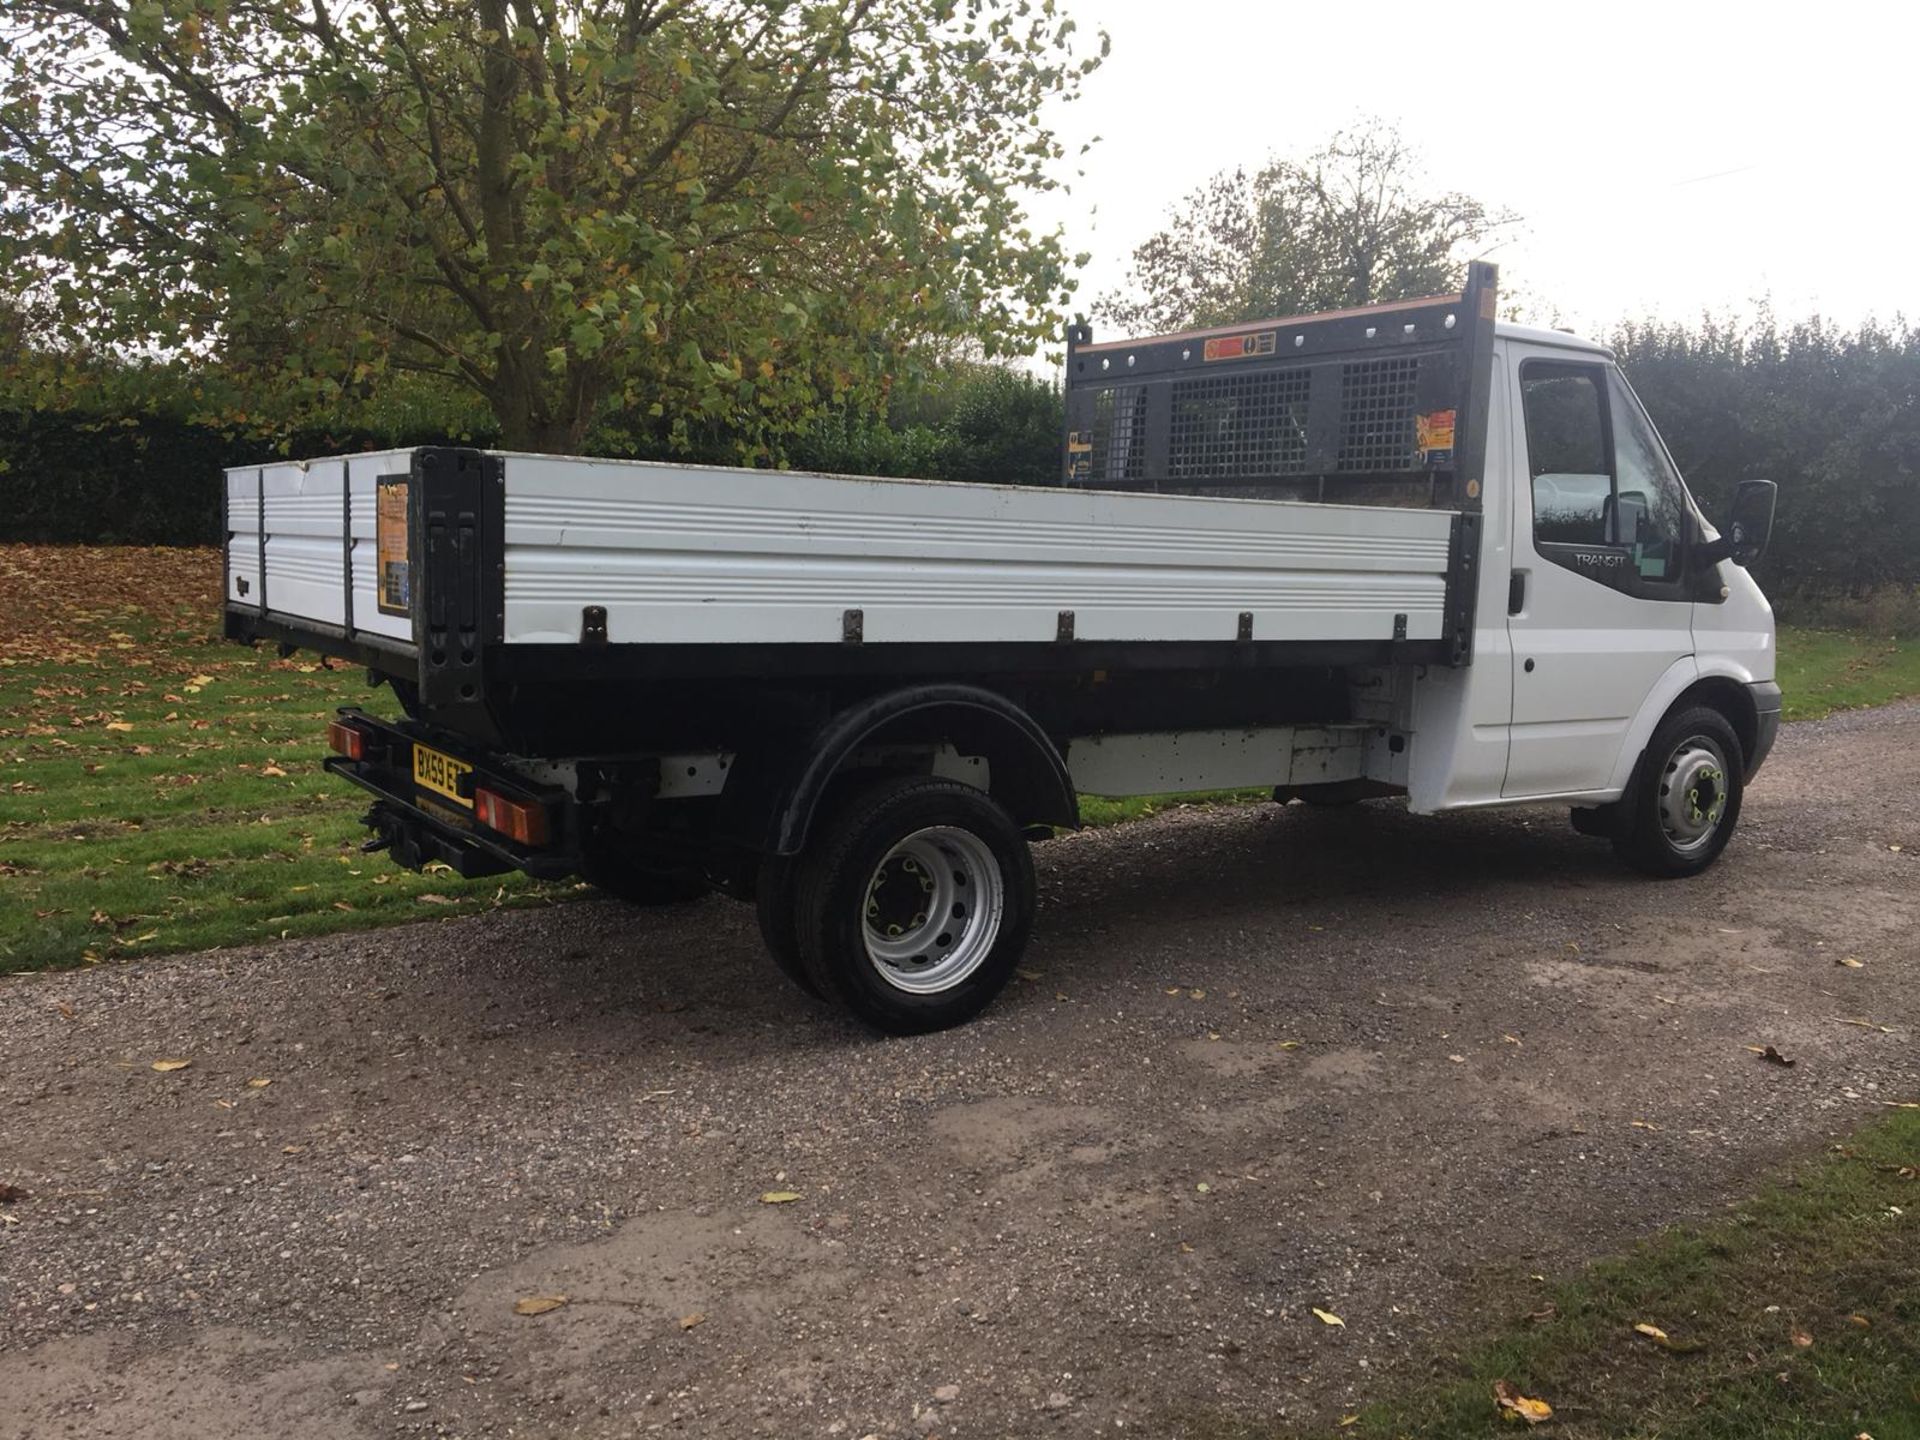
<point>1605,597</point>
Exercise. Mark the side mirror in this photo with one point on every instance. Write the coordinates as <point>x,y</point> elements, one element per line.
<point>1750,522</point>
<point>1749,525</point>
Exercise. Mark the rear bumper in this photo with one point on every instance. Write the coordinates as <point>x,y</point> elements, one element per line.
<point>1766,707</point>
<point>419,828</point>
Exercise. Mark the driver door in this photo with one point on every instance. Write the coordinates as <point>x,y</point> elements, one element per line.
<point>1599,608</point>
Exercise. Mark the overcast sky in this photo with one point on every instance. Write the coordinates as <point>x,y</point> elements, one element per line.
<point>1664,157</point>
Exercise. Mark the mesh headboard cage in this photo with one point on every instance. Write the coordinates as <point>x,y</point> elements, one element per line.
<point>1378,405</point>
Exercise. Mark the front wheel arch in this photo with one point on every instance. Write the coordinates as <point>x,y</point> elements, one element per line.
<point>1733,700</point>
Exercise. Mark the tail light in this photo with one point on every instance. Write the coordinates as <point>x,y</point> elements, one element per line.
<point>347,740</point>
<point>516,819</point>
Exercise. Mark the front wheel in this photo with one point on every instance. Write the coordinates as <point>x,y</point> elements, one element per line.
<point>915,902</point>
<point>1685,796</point>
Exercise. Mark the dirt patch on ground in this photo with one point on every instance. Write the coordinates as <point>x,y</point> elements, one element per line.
<point>1272,1059</point>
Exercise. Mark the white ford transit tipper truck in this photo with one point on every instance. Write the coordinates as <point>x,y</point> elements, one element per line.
<point>1396,550</point>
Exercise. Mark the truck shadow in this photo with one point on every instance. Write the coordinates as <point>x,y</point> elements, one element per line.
<point>676,980</point>
<point>1249,860</point>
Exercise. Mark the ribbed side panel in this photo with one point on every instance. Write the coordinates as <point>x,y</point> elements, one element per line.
<point>689,555</point>
<point>306,576</point>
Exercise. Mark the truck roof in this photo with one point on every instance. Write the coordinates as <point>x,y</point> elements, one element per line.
<point>1540,335</point>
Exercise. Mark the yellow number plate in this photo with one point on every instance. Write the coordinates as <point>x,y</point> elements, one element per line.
<point>440,774</point>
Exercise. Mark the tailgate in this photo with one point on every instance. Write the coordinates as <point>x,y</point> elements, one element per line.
<point>387,559</point>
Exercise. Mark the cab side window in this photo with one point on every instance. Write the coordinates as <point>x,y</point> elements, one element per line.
<point>1599,479</point>
<point>1567,453</point>
<point>1650,505</point>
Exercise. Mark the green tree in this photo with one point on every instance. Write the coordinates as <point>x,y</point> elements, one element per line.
<point>1832,414</point>
<point>717,212</point>
<point>1350,224</point>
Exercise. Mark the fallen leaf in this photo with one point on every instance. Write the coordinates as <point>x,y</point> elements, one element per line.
<point>1028,974</point>
<point>166,1067</point>
<point>1458,1059</point>
<point>1868,1025</point>
<point>1515,1406</point>
<point>538,1304</point>
<point>1773,1057</point>
<point>779,1197</point>
<point>11,1193</point>
<point>434,900</point>
<point>1645,1125</point>
<point>1346,1420</point>
<point>1666,1341</point>
<point>687,1322</point>
<point>259,1082</point>
<point>120,725</point>
<point>1540,1317</point>
<point>1327,1317</point>
<point>1802,1339</point>
<point>1204,1188</point>
<point>1850,963</point>
<point>1861,1321</point>
<point>1196,994</point>
<point>1511,1039</point>
<point>1289,1045</point>
<point>273,770</point>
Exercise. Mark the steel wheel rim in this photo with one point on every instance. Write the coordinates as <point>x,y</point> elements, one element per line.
<point>932,910</point>
<point>1693,794</point>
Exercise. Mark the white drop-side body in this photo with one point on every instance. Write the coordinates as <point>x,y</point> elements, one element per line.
<point>707,556</point>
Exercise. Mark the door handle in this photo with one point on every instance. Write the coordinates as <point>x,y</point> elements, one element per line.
<point>1516,593</point>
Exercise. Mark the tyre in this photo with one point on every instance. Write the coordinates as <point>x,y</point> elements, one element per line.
<point>641,885</point>
<point>1684,797</point>
<point>916,898</point>
<point>775,901</point>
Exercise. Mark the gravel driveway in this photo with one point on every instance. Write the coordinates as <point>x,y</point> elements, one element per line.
<point>1263,1060</point>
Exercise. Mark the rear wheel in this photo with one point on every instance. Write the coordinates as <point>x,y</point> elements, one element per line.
<point>916,899</point>
<point>776,899</point>
<point>1685,796</point>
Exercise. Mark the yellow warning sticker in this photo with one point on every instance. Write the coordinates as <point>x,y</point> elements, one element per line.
<point>1433,436</point>
<point>394,575</point>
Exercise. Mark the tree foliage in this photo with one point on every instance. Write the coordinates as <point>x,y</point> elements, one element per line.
<point>718,211</point>
<point>1832,415</point>
<point>1350,224</point>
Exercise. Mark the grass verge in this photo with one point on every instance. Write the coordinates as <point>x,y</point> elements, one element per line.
<point>162,789</point>
<point>1822,671</point>
<point>1797,1316</point>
